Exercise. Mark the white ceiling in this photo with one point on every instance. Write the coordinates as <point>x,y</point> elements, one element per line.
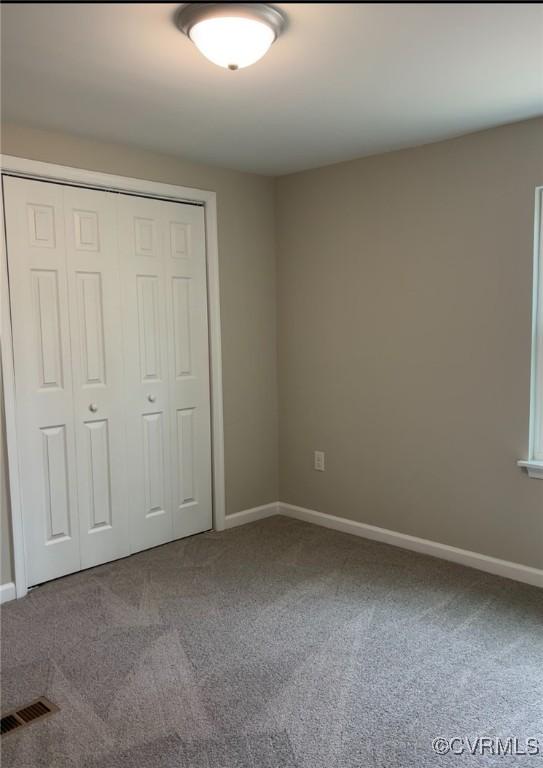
<point>345,80</point>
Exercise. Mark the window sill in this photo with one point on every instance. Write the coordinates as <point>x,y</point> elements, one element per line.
<point>534,468</point>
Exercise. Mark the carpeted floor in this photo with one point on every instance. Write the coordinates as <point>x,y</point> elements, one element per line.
<point>274,645</point>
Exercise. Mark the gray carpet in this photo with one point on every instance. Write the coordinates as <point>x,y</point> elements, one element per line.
<point>273,645</point>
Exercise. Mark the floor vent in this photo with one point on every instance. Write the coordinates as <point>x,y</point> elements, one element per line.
<point>18,718</point>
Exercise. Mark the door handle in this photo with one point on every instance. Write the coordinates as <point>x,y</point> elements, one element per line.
<point>93,407</point>
<point>151,398</point>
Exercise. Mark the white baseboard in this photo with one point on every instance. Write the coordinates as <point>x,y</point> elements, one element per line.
<point>514,571</point>
<point>251,515</point>
<point>7,592</point>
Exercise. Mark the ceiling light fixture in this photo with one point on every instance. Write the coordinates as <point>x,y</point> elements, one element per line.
<point>232,35</point>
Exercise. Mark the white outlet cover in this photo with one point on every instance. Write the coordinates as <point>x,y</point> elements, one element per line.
<point>318,461</point>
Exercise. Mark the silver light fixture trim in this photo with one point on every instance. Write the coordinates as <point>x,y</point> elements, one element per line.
<point>220,30</point>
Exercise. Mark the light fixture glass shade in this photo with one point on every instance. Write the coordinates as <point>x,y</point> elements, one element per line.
<point>232,42</point>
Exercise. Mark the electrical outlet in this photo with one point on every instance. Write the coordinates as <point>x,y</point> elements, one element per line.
<point>318,461</point>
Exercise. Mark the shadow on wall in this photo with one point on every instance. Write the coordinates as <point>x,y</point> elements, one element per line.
<point>6,555</point>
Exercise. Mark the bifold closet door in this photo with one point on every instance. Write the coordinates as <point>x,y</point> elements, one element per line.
<point>109,312</point>
<point>64,289</point>
<point>43,376</point>
<point>92,260</point>
<point>188,356</point>
<point>162,248</point>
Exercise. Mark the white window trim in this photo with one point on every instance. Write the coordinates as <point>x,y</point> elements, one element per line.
<point>34,169</point>
<point>534,463</point>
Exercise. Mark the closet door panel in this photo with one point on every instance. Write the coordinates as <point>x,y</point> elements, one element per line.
<point>109,306</point>
<point>34,217</point>
<point>97,361</point>
<point>186,303</point>
<point>147,396</point>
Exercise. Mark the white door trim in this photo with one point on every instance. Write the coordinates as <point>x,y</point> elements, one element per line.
<point>34,169</point>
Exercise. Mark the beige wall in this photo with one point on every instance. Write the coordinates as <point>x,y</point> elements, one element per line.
<point>248,296</point>
<point>405,284</point>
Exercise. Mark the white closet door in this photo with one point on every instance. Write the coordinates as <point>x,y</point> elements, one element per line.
<point>43,378</point>
<point>186,307</point>
<point>147,405</point>
<point>167,367</point>
<point>109,308</point>
<point>97,367</point>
